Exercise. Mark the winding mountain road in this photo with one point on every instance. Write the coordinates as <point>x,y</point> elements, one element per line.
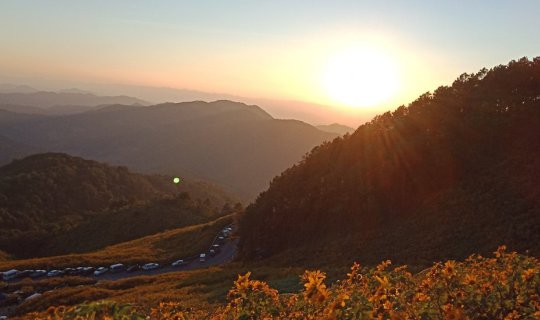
<point>226,254</point>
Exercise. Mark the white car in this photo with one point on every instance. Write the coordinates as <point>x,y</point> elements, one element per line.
<point>117,267</point>
<point>178,263</point>
<point>101,270</point>
<point>150,266</point>
<point>55,273</point>
<point>202,257</point>
<point>11,274</point>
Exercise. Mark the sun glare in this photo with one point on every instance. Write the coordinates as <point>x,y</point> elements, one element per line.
<point>360,78</point>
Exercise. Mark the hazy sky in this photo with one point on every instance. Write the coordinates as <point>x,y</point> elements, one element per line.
<point>268,49</point>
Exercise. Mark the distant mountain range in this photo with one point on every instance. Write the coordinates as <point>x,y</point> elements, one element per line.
<point>454,173</point>
<point>279,108</point>
<point>68,101</point>
<point>336,128</point>
<point>236,145</point>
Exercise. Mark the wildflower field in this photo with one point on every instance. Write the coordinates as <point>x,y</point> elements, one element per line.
<point>505,286</point>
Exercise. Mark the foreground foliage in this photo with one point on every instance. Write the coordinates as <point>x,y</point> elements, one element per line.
<point>506,286</point>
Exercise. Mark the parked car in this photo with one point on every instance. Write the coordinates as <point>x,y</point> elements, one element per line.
<point>24,274</point>
<point>150,266</point>
<point>178,263</point>
<point>55,273</point>
<point>38,274</point>
<point>202,257</point>
<point>212,252</point>
<point>86,271</point>
<point>117,268</point>
<point>221,239</point>
<point>10,275</point>
<point>101,270</point>
<point>33,296</point>
<point>133,268</point>
<point>70,271</point>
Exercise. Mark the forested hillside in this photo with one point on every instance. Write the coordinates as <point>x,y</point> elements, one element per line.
<point>452,173</point>
<point>55,203</point>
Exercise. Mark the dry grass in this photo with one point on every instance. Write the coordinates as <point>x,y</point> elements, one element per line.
<point>162,247</point>
<point>203,288</point>
<point>4,256</point>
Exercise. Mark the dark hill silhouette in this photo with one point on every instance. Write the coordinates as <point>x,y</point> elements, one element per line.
<point>17,108</point>
<point>48,197</point>
<point>454,172</point>
<point>238,146</point>
<point>335,128</point>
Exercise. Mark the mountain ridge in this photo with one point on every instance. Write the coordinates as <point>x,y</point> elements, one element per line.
<point>50,99</point>
<point>233,144</point>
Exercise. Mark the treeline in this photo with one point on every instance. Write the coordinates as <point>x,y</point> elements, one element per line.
<point>54,204</point>
<point>452,173</point>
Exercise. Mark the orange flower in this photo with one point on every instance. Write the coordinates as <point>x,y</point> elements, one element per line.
<point>315,291</point>
<point>528,274</point>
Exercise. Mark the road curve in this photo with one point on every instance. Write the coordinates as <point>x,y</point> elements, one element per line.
<point>226,254</point>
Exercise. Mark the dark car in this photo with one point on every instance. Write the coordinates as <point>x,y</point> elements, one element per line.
<point>87,271</point>
<point>24,274</point>
<point>70,271</point>
<point>38,274</point>
<point>133,268</point>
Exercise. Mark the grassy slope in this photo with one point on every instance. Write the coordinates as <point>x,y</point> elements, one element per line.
<point>4,256</point>
<point>161,247</point>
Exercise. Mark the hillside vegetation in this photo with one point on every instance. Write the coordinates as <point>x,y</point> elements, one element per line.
<point>55,203</point>
<point>452,173</point>
<point>163,247</point>
<point>238,146</point>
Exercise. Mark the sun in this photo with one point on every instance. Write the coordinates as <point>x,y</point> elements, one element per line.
<point>360,77</point>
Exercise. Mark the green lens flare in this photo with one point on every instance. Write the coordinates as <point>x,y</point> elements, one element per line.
<point>176,180</point>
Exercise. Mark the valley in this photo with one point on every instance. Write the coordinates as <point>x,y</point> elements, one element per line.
<point>443,187</point>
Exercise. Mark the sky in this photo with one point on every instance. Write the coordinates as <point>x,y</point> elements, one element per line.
<point>353,56</point>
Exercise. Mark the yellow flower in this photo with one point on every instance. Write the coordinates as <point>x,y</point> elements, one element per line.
<point>449,268</point>
<point>422,297</point>
<point>528,274</point>
<point>383,281</point>
<point>454,313</point>
<point>470,279</point>
<point>315,291</point>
